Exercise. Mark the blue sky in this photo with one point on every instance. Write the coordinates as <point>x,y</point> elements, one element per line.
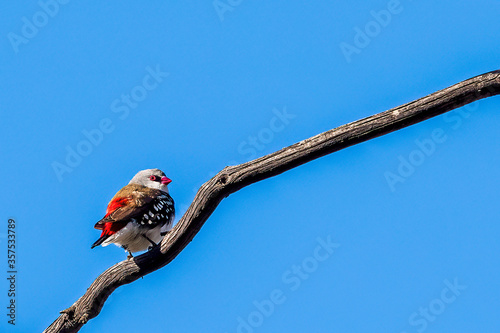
<point>331,246</point>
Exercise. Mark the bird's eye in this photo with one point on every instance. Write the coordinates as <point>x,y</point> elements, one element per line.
<point>152,177</point>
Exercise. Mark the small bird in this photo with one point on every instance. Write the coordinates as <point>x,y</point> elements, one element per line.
<point>139,215</point>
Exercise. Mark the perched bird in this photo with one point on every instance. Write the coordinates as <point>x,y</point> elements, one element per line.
<point>140,214</point>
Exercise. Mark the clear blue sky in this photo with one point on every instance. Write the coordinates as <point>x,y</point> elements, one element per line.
<point>419,253</point>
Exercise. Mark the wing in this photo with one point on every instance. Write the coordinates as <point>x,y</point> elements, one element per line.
<point>158,211</point>
<point>145,206</point>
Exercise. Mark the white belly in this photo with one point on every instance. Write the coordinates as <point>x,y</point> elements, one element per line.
<point>131,236</point>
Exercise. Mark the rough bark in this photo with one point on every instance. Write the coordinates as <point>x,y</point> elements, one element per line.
<point>233,178</point>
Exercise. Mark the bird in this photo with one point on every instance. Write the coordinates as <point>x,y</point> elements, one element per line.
<point>139,214</point>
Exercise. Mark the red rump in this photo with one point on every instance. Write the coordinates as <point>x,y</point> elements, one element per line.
<point>109,228</point>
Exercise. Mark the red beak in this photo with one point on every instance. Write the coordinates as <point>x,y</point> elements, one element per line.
<point>165,180</point>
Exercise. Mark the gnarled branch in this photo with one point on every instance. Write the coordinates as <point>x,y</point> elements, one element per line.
<point>233,178</point>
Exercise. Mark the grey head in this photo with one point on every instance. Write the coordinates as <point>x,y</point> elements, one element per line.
<point>152,178</point>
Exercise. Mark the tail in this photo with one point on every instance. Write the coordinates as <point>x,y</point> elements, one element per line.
<point>100,240</point>
<point>108,229</point>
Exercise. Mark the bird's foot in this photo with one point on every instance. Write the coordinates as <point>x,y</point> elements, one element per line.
<point>153,244</point>
<point>129,256</point>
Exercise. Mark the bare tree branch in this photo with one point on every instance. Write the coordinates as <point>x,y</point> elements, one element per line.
<point>233,178</point>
